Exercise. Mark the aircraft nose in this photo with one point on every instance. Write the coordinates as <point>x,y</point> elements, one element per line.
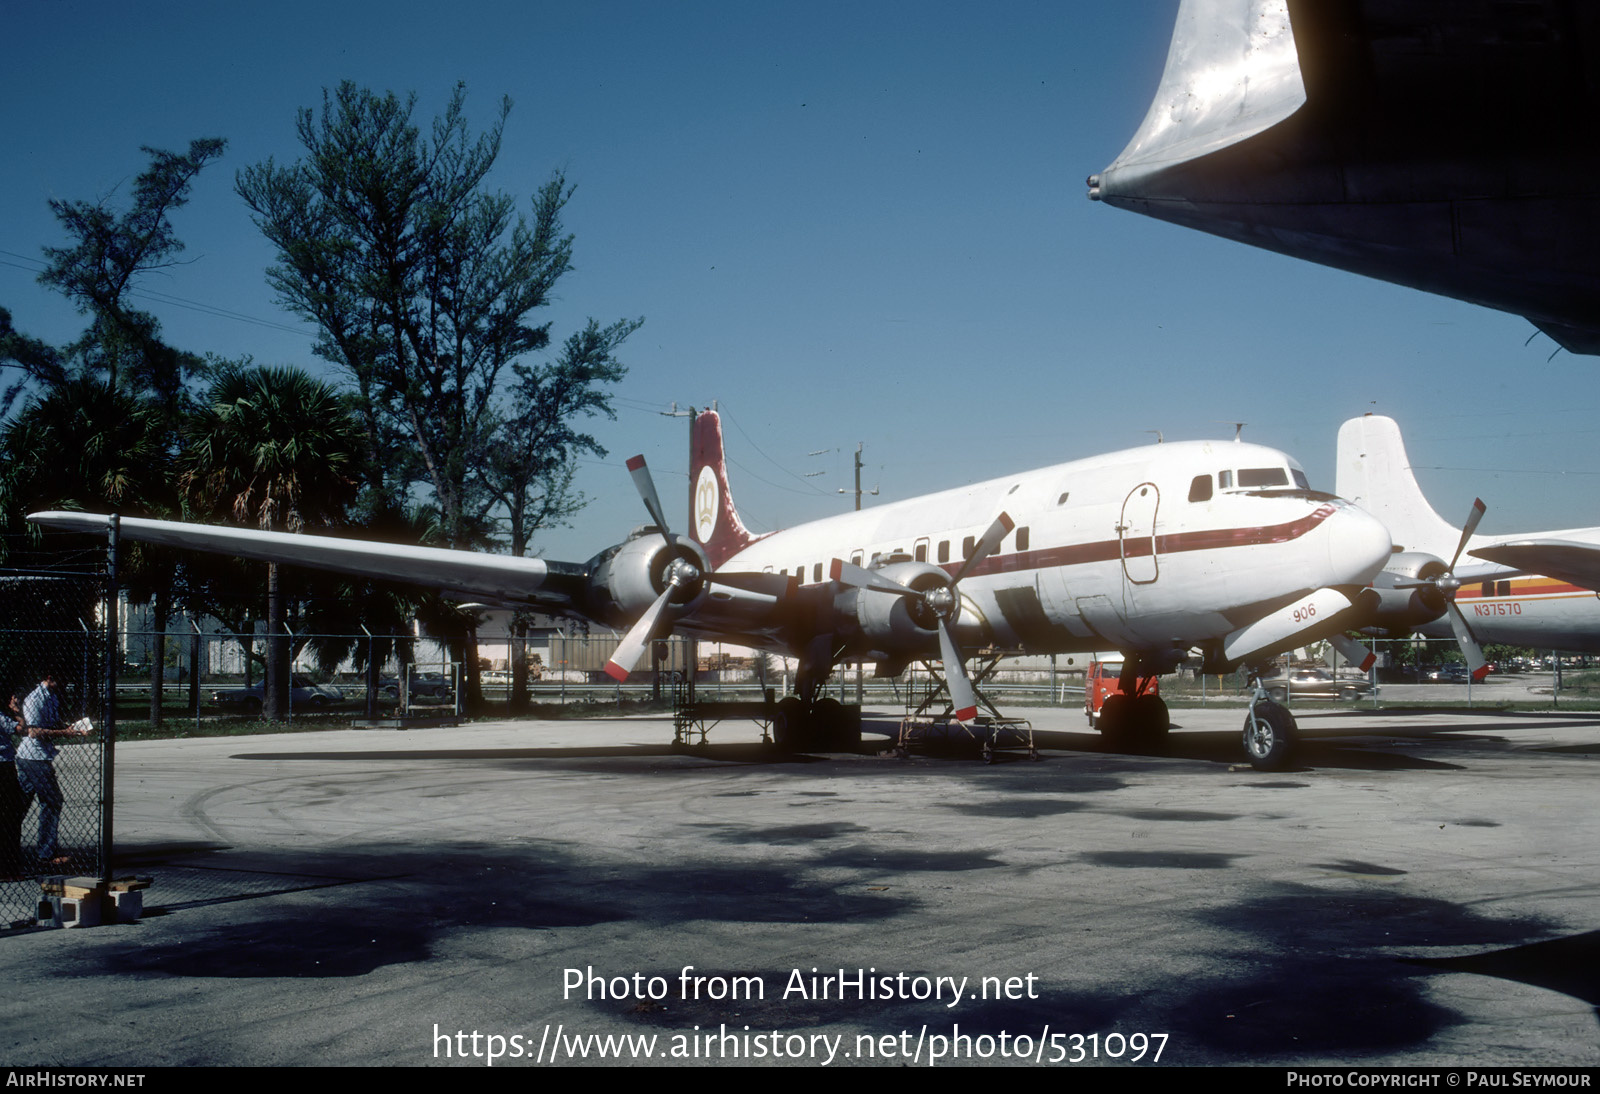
<point>1359,545</point>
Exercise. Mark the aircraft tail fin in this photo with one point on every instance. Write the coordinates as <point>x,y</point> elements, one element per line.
<point>715,523</point>
<point>1374,472</point>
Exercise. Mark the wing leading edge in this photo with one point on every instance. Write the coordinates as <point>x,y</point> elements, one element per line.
<point>504,579</point>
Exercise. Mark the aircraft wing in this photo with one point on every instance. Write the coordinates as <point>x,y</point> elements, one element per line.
<point>502,579</point>
<point>1564,559</point>
<point>1446,146</point>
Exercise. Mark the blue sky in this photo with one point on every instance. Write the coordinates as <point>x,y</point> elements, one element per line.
<point>845,222</point>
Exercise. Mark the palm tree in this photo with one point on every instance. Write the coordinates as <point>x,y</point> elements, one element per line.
<point>82,444</point>
<point>274,448</point>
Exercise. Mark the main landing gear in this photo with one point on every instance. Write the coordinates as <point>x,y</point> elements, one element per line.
<point>1134,723</point>
<point>823,725</point>
<point>1136,720</point>
<point>1270,733</point>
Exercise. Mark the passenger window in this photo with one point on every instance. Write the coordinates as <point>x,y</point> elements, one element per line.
<point>967,545</point>
<point>922,551</point>
<point>944,550</point>
<point>855,558</point>
<point>1200,488</point>
<point>816,572</point>
<point>1022,538</point>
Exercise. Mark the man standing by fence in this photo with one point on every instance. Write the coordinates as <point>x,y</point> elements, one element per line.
<point>36,772</point>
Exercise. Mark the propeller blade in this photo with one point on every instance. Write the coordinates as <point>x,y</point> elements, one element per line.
<point>987,544</point>
<point>1466,531</point>
<point>1353,651</point>
<point>849,573</point>
<point>1476,661</point>
<point>774,585</point>
<point>633,643</point>
<point>962,696</point>
<point>647,491</point>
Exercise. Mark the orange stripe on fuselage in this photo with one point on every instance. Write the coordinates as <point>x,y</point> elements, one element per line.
<point>1523,586</point>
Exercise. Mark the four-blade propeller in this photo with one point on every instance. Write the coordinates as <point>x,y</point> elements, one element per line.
<point>681,579</point>
<point>943,603</point>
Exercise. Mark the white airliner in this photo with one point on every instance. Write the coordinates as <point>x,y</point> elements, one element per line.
<point>1531,589</point>
<point>1219,547</point>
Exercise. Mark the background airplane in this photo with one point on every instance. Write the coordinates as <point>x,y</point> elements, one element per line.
<point>1446,146</point>
<point>1220,547</point>
<point>1529,589</point>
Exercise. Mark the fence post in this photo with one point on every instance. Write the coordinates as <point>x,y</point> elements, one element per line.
<point>108,715</point>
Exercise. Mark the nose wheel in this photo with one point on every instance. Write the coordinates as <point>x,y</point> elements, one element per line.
<point>1270,733</point>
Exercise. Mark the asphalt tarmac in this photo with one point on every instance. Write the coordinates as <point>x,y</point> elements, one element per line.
<point>1421,890</point>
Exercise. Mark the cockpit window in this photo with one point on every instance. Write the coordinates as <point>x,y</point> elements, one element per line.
<point>1300,479</point>
<point>1256,477</point>
<point>1200,488</point>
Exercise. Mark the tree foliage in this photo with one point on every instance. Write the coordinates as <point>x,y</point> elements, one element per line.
<point>420,281</point>
<point>109,251</point>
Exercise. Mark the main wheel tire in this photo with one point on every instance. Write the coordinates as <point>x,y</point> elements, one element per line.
<point>1117,722</point>
<point>1270,738</point>
<point>828,725</point>
<point>789,724</point>
<point>1150,722</point>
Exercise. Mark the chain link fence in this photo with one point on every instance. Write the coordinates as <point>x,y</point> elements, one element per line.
<point>52,691</point>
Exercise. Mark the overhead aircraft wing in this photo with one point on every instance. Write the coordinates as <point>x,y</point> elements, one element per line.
<point>1564,559</point>
<point>1446,146</point>
<point>502,579</point>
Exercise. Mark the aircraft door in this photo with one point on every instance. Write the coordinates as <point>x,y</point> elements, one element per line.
<point>1137,534</point>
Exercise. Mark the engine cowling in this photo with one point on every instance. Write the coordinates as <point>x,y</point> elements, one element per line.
<point>626,579</point>
<point>1406,608</point>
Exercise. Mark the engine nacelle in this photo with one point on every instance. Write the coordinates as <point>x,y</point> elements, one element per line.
<point>626,579</point>
<point>891,623</point>
<point>1405,609</point>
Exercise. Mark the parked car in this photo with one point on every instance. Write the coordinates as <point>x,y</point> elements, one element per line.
<point>1309,683</point>
<point>1448,674</point>
<point>423,685</point>
<point>304,694</point>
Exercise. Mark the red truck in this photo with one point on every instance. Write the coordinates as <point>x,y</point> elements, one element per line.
<point>1103,680</point>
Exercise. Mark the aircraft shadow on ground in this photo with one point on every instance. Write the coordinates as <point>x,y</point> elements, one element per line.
<point>1311,972</point>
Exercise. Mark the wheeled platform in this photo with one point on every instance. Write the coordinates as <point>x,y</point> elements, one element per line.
<point>986,734</point>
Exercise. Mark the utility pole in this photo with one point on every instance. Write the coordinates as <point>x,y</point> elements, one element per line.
<point>873,491</point>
